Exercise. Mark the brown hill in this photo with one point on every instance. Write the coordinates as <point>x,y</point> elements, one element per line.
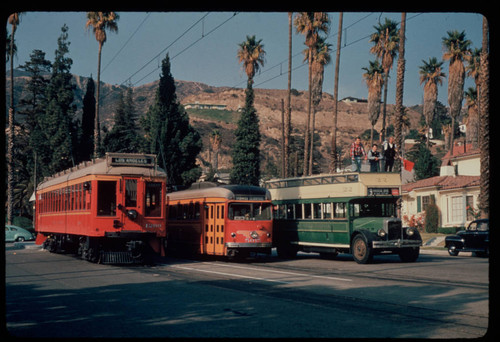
<point>352,116</point>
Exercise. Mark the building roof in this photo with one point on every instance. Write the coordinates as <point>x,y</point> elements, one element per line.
<point>460,151</point>
<point>442,183</point>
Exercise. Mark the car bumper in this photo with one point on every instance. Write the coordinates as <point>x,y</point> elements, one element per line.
<point>249,245</point>
<point>399,243</point>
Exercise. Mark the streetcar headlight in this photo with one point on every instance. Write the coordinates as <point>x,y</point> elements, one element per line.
<point>410,231</point>
<point>254,235</point>
<point>381,233</point>
<point>233,235</point>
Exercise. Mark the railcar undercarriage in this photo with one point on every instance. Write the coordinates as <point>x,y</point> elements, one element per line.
<point>114,251</point>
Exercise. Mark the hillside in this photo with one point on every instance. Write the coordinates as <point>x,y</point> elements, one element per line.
<point>352,117</point>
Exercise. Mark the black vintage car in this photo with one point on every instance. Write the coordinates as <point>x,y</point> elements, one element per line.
<point>476,238</point>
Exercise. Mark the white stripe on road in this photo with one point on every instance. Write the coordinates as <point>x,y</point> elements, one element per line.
<point>292,273</point>
<point>257,278</point>
<point>230,274</point>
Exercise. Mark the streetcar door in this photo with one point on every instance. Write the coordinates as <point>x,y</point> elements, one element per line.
<point>219,229</point>
<point>130,206</point>
<point>208,232</point>
<point>213,242</point>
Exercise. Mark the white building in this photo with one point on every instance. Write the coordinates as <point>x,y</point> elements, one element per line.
<point>455,190</point>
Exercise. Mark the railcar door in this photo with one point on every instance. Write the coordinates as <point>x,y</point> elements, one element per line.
<point>213,242</point>
<point>130,206</point>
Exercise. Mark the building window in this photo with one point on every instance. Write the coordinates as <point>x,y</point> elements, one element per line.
<point>457,209</point>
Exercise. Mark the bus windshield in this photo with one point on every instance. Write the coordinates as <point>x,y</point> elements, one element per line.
<point>250,211</point>
<point>373,207</point>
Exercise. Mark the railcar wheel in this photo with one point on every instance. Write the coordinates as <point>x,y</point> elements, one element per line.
<point>361,252</point>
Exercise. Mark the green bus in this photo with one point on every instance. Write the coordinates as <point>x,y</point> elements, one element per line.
<point>352,212</point>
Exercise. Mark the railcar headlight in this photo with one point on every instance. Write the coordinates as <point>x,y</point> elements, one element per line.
<point>410,231</point>
<point>233,235</point>
<point>381,233</point>
<point>254,235</point>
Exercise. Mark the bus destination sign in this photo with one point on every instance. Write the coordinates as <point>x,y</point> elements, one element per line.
<point>383,191</point>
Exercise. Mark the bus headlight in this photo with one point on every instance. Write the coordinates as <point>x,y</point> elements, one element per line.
<point>381,233</point>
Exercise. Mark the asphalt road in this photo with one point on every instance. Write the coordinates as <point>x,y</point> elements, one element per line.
<point>51,295</point>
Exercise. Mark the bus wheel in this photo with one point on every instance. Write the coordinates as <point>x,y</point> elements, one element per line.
<point>361,253</point>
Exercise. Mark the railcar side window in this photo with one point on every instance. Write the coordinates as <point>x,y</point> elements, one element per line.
<point>153,199</point>
<point>106,198</point>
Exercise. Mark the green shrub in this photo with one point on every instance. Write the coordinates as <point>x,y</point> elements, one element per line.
<point>431,221</point>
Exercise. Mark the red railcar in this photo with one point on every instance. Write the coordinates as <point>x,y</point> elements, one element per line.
<point>110,210</point>
<point>229,220</point>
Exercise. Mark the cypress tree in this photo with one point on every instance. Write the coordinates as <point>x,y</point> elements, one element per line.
<point>123,137</point>
<point>169,133</point>
<point>246,152</point>
<point>86,145</point>
<point>58,124</point>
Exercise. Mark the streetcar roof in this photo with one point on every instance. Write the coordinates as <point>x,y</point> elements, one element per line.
<point>108,166</point>
<point>232,192</point>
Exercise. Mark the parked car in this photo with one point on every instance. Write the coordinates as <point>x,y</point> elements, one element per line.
<point>15,233</point>
<point>476,238</point>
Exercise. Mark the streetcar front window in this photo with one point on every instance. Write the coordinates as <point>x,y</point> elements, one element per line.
<point>250,211</point>
<point>153,199</point>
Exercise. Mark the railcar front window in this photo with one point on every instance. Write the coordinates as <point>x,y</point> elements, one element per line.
<point>106,198</point>
<point>250,211</point>
<point>131,193</point>
<point>153,199</point>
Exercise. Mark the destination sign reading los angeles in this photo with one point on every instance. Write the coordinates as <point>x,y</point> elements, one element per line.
<point>131,160</point>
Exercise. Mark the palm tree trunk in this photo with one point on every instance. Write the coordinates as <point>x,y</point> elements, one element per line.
<point>312,140</point>
<point>399,88</point>
<point>308,123</point>
<point>335,96</point>
<point>484,118</point>
<point>96,121</point>
<point>382,131</point>
<point>10,142</point>
<point>288,116</point>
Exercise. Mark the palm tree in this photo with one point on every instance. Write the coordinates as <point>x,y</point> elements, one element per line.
<point>400,111</point>
<point>386,44</point>
<point>374,77</point>
<point>100,22</point>
<point>457,51</point>
<point>472,120</point>
<point>14,21</point>
<point>246,150</point>
<point>432,76</point>
<point>310,24</point>
<point>484,119</point>
<point>333,168</point>
<point>321,57</point>
<point>251,53</point>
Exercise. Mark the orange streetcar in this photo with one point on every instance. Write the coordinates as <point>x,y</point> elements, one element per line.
<point>110,210</point>
<point>228,220</point>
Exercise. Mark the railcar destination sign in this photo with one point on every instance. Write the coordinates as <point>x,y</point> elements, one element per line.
<point>120,159</point>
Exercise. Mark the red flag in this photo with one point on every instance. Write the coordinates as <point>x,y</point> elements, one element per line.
<point>408,165</point>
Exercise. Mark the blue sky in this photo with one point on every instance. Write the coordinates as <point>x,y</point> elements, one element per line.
<point>202,47</point>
